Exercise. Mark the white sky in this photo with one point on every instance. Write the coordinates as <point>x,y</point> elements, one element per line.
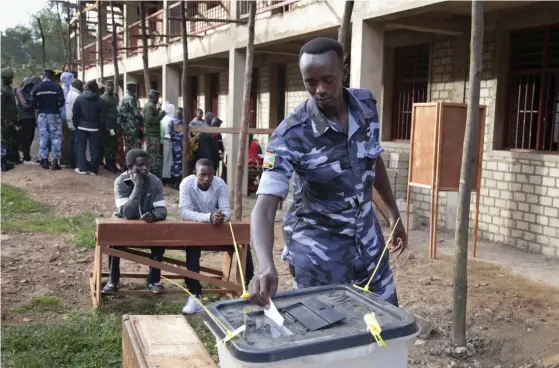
<point>14,12</point>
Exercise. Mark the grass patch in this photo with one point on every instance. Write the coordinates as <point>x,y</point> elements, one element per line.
<point>40,305</point>
<point>21,214</point>
<point>80,341</point>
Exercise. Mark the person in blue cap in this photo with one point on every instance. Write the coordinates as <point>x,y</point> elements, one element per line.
<point>48,99</point>
<point>331,142</point>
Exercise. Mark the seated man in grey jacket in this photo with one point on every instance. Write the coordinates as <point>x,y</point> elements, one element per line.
<point>138,196</point>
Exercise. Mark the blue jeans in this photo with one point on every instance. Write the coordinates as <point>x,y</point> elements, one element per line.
<point>72,148</point>
<point>94,139</point>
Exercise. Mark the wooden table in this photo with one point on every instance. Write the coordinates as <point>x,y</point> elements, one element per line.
<point>129,234</point>
<point>162,342</point>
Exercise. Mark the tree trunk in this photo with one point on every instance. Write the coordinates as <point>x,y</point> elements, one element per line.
<point>43,50</point>
<point>81,23</point>
<point>70,55</point>
<point>100,40</point>
<point>64,45</point>
<point>147,80</point>
<point>463,212</point>
<point>344,36</point>
<point>114,47</point>
<point>241,154</point>
<point>343,33</point>
<point>184,85</point>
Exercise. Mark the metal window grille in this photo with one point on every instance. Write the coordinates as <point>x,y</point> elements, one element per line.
<point>411,79</point>
<point>533,101</point>
<point>262,6</point>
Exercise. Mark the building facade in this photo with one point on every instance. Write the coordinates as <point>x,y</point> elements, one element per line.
<point>404,52</point>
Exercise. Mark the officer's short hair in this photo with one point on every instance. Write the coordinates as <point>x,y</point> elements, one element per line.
<point>92,86</point>
<point>321,45</point>
<point>76,83</point>
<point>204,162</point>
<point>133,154</point>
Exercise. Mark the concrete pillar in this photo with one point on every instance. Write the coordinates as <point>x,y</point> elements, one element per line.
<point>237,60</point>
<point>367,56</point>
<point>171,83</point>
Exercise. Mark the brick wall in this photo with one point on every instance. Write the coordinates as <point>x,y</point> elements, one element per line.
<point>295,93</point>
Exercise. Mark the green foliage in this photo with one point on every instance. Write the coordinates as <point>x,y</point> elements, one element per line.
<point>21,45</point>
<point>40,305</point>
<point>21,214</point>
<point>82,340</point>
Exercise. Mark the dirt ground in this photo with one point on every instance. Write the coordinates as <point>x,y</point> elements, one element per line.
<point>512,322</point>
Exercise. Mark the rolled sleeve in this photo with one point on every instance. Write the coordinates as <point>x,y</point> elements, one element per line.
<point>275,179</point>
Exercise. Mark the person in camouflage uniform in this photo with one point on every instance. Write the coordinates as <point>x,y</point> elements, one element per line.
<point>176,132</point>
<point>130,118</point>
<point>111,127</point>
<point>10,115</point>
<point>152,132</point>
<point>331,142</point>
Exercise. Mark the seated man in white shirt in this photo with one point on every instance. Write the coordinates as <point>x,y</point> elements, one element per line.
<point>204,198</point>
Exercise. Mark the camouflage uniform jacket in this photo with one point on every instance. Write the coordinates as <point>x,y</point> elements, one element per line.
<point>9,107</point>
<point>111,106</point>
<point>331,231</point>
<point>130,115</point>
<point>152,120</point>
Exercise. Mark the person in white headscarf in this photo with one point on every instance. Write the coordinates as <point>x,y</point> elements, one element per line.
<point>166,124</point>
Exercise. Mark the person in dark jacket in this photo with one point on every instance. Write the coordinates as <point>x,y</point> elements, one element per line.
<point>138,196</point>
<point>10,128</point>
<point>88,116</point>
<point>111,128</point>
<point>48,98</point>
<point>26,118</point>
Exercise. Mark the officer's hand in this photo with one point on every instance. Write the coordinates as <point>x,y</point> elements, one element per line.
<point>399,240</point>
<point>263,287</point>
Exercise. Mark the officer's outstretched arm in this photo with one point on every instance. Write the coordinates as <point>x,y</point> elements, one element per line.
<point>262,229</point>
<point>264,285</point>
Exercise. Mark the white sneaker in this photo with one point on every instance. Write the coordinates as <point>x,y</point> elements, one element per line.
<point>30,163</point>
<point>77,170</point>
<point>192,306</point>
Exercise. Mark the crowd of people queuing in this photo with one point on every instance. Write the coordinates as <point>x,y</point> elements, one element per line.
<point>59,121</point>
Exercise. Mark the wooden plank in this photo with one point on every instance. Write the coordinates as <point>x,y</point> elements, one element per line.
<point>140,275</point>
<point>170,291</point>
<point>166,341</point>
<point>173,269</point>
<point>424,124</point>
<point>117,232</point>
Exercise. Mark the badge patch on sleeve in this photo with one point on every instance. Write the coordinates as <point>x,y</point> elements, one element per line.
<point>269,160</point>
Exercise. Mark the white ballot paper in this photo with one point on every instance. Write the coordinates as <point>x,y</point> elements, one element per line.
<point>273,314</point>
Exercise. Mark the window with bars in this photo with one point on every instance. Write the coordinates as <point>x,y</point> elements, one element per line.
<point>533,101</point>
<point>411,79</point>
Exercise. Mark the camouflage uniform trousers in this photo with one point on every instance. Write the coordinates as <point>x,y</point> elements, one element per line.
<point>155,156</point>
<point>120,150</point>
<point>50,134</point>
<point>109,148</point>
<point>10,140</point>
<point>130,141</point>
<point>383,284</point>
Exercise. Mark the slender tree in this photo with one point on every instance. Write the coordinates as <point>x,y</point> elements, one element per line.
<point>43,49</point>
<point>460,291</point>
<point>100,53</point>
<point>147,80</point>
<point>63,35</point>
<point>184,86</point>
<point>246,113</point>
<point>82,31</point>
<point>343,33</point>
<point>114,50</point>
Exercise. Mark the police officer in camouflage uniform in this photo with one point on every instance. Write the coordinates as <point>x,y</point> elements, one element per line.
<point>152,132</point>
<point>130,118</point>
<point>111,127</point>
<point>10,114</point>
<point>331,142</point>
<point>48,98</point>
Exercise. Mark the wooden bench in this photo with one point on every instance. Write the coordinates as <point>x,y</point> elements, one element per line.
<point>128,234</point>
<point>162,342</point>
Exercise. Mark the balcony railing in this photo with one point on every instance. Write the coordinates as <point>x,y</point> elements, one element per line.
<point>265,6</point>
<point>154,27</point>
